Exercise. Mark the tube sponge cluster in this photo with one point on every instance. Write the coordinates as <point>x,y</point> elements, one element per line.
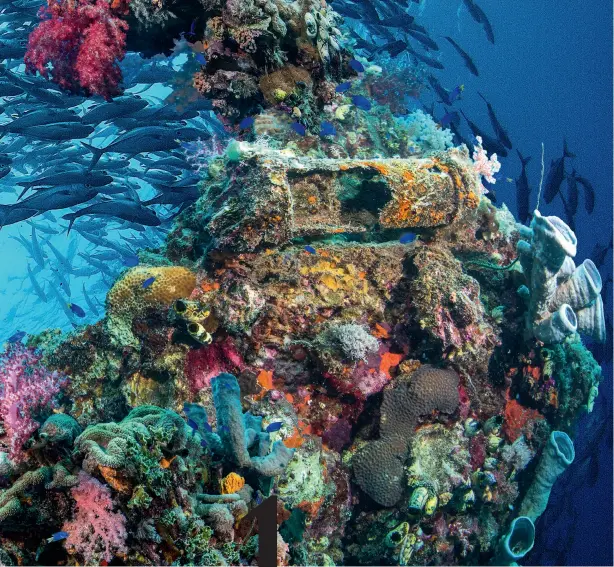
<point>563,298</point>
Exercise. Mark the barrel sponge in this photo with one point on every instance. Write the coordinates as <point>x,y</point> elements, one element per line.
<point>170,283</point>
<point>426,389</point>
<point>378,469</point>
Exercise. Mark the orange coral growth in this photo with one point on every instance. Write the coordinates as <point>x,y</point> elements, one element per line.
<point>311,508</point>
<point>295,440</point>
<point>516,418</point>
<point>380,332</point>
<point>265,379</point>
<point>388,361</point>
<point>380,167</point>
<point>232,483</point>
<point>209,286</point>
<point>115,479</point>
<point>166,463</point>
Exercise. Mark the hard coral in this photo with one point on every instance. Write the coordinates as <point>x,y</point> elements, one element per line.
<point>425,390</point>
<point>128,295</point>
<point>79,44</point>
<point>378,466</point>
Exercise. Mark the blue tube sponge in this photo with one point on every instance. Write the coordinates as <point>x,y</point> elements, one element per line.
<point>562,298</point>
<point>241,432</point>
<point>516,543</point>
<point>558,454</point>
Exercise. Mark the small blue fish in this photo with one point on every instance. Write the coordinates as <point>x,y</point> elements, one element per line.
<point>148,282</point>
<point>310,249</point>
<point>448,118</point>
<point>407,237</point>
<point>207,427</point>
<point>357,66</point>
<point>76,310</point>
<point>17,337</point>
<point>131,261</point>
<point>57,536</point>
<point>200,58</point>
<point>203,443</point>
<point>272,427</point>
<point>298,128</point>
<point>246,123</point>
<point>343,87</point>
<point>455,93</point>
<point>192,424</point>
<point>192,31</point>
<point>327,129</point>
<point>361,102</point>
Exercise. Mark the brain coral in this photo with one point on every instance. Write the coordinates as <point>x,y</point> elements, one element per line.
<point>427,389</point>
<point>170,283</point>
<point>378,466</point>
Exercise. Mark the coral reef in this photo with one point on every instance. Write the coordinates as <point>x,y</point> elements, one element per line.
<point>338,325</point>
<point>261,54</point>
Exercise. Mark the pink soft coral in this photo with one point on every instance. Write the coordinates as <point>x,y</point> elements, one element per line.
<point>26,387</point>
<point>96,532</point>
<point>484,165</point>
<point>83,42</point>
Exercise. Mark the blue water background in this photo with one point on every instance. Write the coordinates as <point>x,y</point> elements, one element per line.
<point>549,76</point>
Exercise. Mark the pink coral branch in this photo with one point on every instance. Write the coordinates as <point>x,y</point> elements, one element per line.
<point>96,532</point>
<point>27,387</point>
<point>484,165</point>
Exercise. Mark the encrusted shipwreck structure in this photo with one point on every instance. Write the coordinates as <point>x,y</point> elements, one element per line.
<point>262,198</point>
<point>341,325</point>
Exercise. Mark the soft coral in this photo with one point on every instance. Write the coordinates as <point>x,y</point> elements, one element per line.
<point>83,42</point>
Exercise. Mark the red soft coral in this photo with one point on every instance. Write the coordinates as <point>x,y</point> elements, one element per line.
<point>79,44</point>
<point>519,420</point>
<point>208,361</point>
